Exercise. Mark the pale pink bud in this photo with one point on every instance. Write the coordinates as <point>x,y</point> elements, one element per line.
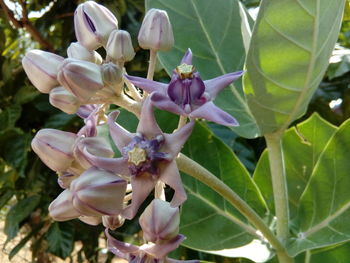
<point>91,220</point>
<point>98,192</point>
<point>156,32</point>
<point>81,78</point>
<point>112,76</point>
<point>64,179</point>
<point>55,148</point>
<point>93,23</point>
<point>41,68</point>
<point>119,46</point>
<point>113,222</point>
<point>78,51</point>
<point>160,221</point>
<point>97,146</point>
<point>64,100</point>
<point>61,209</point>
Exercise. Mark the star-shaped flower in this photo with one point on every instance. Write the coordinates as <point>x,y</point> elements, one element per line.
<point>187,94</point>
<point>150,252</point>
<point>148,156</point>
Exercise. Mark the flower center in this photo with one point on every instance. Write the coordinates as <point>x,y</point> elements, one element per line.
<point>185,71</point>
<point>143,155</point>
<point>137,155</point>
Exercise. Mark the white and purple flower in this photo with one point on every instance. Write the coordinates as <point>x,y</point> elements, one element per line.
<point>148,156</point>
<point>187,94</point>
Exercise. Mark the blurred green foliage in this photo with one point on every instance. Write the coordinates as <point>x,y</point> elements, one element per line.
<point>27,186</point>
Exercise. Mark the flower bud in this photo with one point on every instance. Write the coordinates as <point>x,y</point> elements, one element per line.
<point>112,76</point>
<point>41,68</point>
<point>98,192</point>
<point>64,179</point>
<point>119,46</point>
<point>156,32</point>
<point>64,100</point>
<point>78,51</point>
<point>97,146</point>
<point>61,209</point>
<point>113,222</point>
<point>93,23</point>
<point>55,148</point>
<point>91,220</point>
<point>160,221</point>
<point>81,78</point>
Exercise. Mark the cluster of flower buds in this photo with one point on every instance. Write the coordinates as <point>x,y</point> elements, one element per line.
<point>99,188</point>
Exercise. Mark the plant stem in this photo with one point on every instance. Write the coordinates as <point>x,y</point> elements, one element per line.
<point>152,64</point>
<point>182,121</point>
<point>279,184</point>
<point>195,170</point>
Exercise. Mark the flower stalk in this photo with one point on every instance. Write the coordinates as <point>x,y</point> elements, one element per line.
<point>279,184</point>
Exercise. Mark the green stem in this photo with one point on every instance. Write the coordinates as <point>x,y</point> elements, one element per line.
<point>279,184</point>
<point>195,170</point>
<point>152,64</point>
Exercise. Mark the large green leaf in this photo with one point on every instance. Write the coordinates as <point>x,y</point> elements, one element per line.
<point>324,206</point>
<point>18,213</point>
<point>205,210</point>
<point>289,50</point>
<point>212,29</point>
<point>60,238</point>
<point>301,147</point>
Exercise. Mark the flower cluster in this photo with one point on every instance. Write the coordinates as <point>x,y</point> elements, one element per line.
<point>99,187</point>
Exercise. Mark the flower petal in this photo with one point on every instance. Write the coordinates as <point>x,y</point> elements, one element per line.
<point>187,58</point>
<point>215,85</point>
<point>164,103</point>
<point>148,125</point>
<point>147,85</point>
<point>171,176</point>
<point>175,141</point>
<point>120,136</point>
<point>212,113</point>
<point>159,251</point>
<point>114,165</point>
<point>119,248</point>
<point>142,186</point>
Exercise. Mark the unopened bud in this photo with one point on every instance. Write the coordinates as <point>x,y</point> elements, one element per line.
<point>112,75</point>
<point>78,51</point>
<point>64,179</point>
<point>113,222</point>
<point>97,192</point>
<point>119,46</point>
<point>55,148</point>
<point>160,221</point>
<point>93,23</point>
<point>41,68</point>
<point>97,146</point>
<point>64,100</point>
<point>81,78</point>
<point>61,209</point>
<point>156,32</point>
<point>91,220</point>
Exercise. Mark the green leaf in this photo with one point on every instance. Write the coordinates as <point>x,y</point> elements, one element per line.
<point>289,51</point>
<point>9,116</point>
<point>24,241</point>
<point>18,213</point>
<point>14,148</point>
<point>60,237</point>
<point>205,210</point>
<point>217,45</point>
<point>302,146</point>
<point>324,206</point>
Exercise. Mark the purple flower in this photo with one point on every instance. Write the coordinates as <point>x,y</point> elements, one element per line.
<point>147,156</point>
<point>147,253</point>
<point>187,94</point>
